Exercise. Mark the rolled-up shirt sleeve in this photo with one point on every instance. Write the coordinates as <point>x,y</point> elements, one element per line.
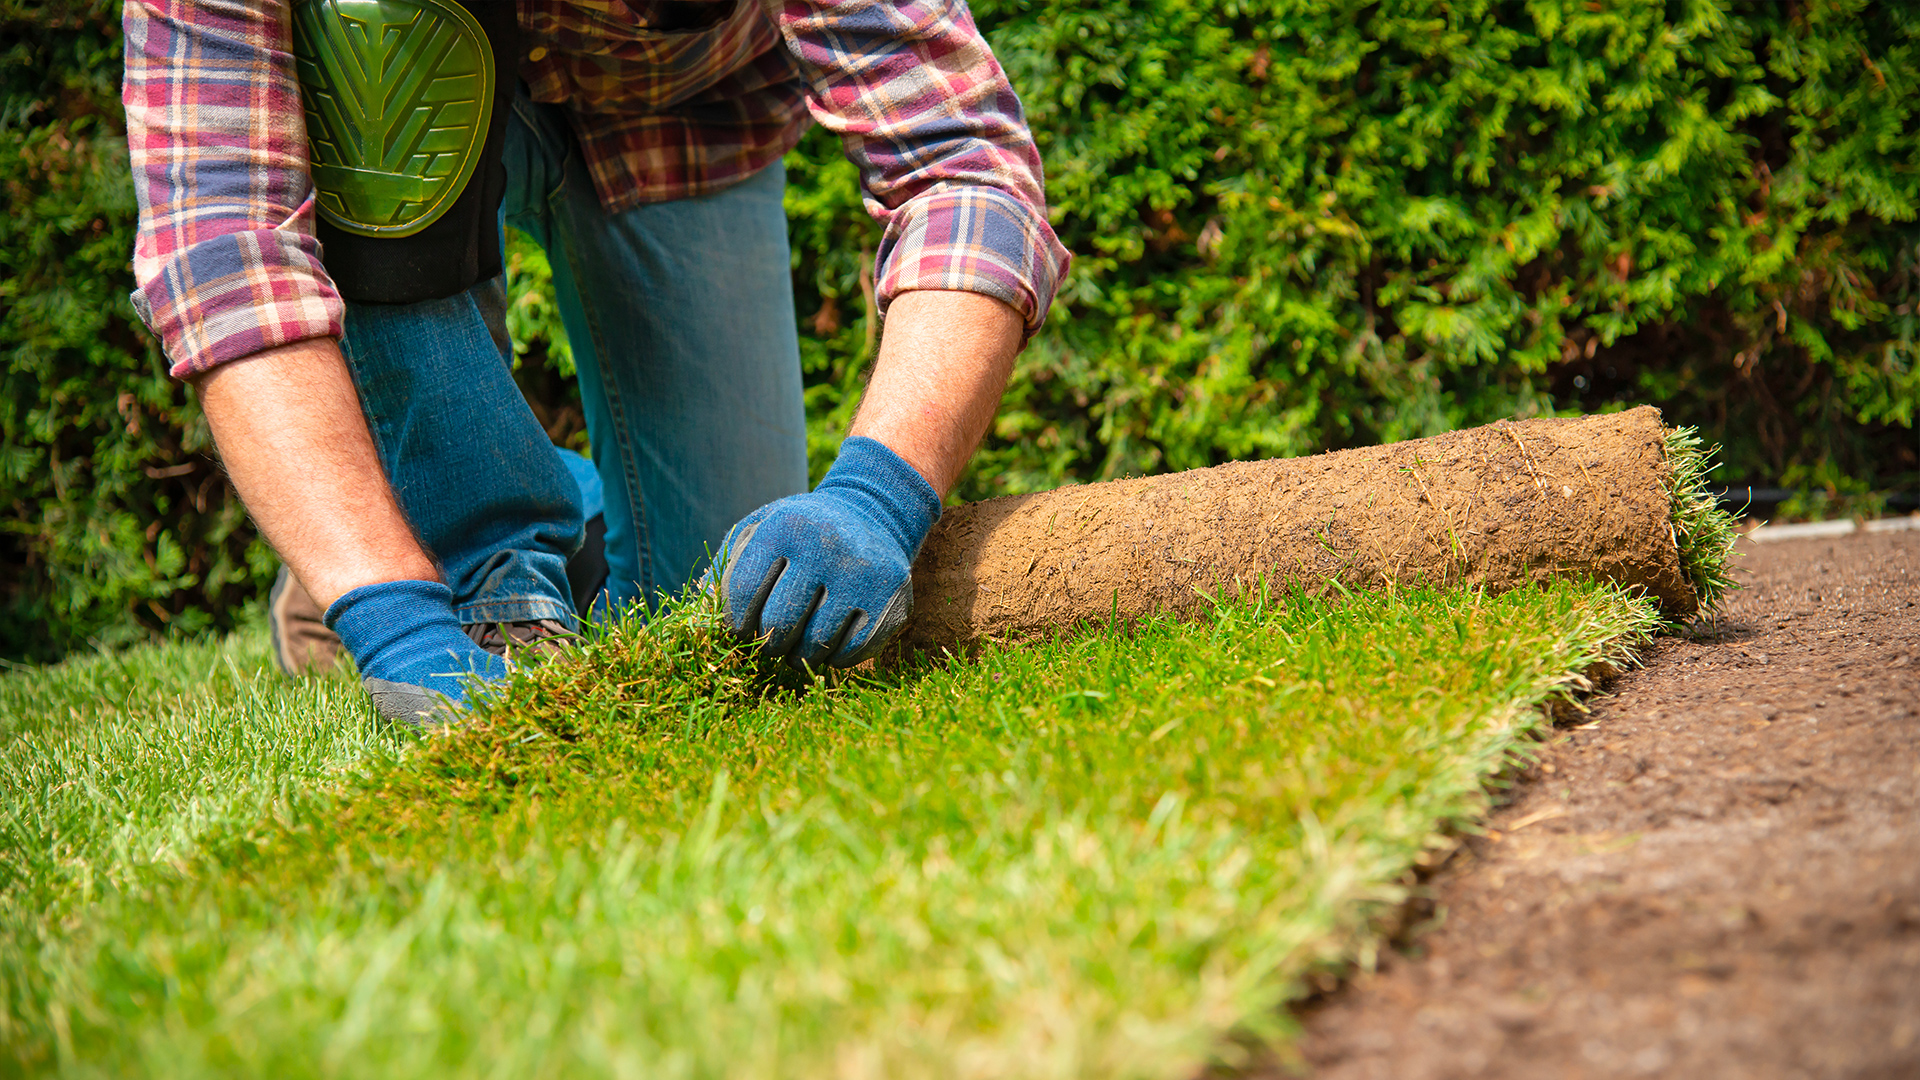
<point>947,163</point>
<point>225,262</point>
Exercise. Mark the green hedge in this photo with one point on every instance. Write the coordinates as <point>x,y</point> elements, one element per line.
<point>1312,225</point>
<point>114,521</point>
<point>1299,226</point>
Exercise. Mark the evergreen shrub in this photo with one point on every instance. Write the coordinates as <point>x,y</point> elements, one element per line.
<point>115,521</point>
<point>1299,226</point>
<point>1303,226</point>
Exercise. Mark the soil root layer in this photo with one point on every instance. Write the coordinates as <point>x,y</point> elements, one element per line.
<point>1496,507</point>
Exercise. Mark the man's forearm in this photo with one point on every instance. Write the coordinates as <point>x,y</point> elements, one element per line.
<point>289,428</point>
<point>943,365</point>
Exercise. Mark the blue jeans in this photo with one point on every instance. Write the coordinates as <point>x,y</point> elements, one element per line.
<point>681,320</point>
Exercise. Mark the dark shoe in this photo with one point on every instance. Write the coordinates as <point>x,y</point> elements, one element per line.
<point>535,639</point>
<point>302,644</point>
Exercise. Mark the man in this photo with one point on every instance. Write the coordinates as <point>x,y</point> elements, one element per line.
<point>320,188</point>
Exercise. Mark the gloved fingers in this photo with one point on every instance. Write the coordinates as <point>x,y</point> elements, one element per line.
<point>728,557</point>
<point>815,580</point>
<point>749,618</point>
<point>747,576</point>
<point>787,610</point>
<point>827,633</point>
<point>872,633</point>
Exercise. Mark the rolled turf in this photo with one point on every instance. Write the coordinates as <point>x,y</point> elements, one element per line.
<point>1614,498</point>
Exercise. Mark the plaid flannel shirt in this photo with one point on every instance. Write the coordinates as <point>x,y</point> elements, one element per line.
<point>226,261</point>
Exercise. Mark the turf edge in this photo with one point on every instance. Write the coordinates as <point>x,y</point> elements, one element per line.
<point>1703,533</point>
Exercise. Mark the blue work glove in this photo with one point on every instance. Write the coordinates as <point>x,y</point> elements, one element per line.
<point>826,579</point>
<point>413,657</point>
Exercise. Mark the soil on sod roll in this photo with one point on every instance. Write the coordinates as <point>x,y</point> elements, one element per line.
<point>1716,874</point>
<point>1496,507</point>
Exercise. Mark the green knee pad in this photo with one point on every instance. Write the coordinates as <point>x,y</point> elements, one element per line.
<point>405,105</point>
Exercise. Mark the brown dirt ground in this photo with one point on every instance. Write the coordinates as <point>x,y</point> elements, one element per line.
<point>1716,874</point>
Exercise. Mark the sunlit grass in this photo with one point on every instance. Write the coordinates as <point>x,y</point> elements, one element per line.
<point>1702,531</point>
<point>1115,855</point>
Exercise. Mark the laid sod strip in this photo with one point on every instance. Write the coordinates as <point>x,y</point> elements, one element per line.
<point>111,763</point>
<point>1617,497</point>
<point>1111,856</point>
<point>115,769</point>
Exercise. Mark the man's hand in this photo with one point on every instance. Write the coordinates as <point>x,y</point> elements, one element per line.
<point>826,579</point>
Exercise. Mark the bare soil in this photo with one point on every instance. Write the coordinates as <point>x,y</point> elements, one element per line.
<point>1497,506</point>
<point>1716,874</point>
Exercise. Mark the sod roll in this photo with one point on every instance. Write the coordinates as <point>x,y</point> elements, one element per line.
<point>1509,504</point>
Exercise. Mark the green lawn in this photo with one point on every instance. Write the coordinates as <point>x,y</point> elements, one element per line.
<point>1110,856</point>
